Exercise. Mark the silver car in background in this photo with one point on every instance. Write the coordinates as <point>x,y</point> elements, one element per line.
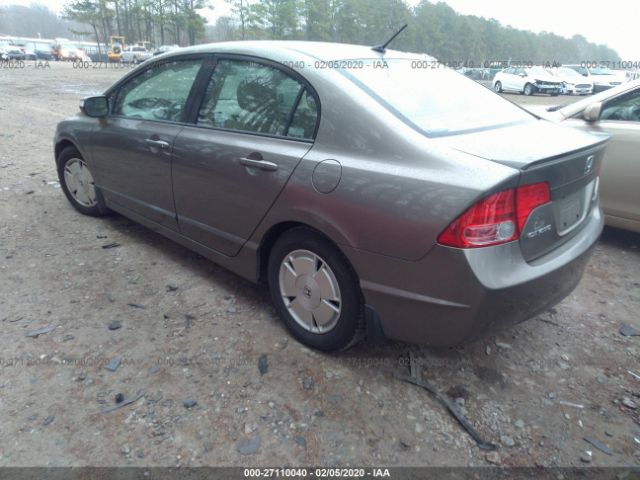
<point>369,191</point>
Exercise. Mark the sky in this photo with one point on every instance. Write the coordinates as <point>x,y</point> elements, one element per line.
<point>614,22</point>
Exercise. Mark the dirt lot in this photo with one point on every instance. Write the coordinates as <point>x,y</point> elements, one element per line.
<point>192,331</point>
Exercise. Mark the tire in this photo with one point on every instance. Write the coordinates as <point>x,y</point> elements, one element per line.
<point>77,184</point>
<point>324,309</point>
<point>528,89</point>
<point>497,87</point>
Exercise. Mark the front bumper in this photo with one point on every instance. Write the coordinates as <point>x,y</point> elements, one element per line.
<point>571,90</point>
<point>453,296</point>
<point>548,88</point>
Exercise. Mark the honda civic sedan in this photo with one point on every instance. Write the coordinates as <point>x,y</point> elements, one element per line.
<point>372,193</point>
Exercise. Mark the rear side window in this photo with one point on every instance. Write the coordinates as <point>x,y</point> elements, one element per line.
<point>436,101</point>
<point>252,97</point>
<point>305,117</point>
<point>159,93</point>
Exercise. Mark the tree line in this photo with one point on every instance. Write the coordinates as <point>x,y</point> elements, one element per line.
<point>160,22</point>
<point>434,28</point>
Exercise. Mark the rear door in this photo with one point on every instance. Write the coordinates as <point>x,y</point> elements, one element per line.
<point>255,122</point>
<point>131,147</point>
<point>507,77</point>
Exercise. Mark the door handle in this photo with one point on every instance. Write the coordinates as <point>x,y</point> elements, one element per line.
<point>161,144</point>
<point>261,164</point>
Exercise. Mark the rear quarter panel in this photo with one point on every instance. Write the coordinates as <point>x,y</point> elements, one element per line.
<point>398,189</point>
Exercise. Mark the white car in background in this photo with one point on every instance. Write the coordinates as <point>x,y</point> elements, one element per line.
<point>603,78</point>
<point>135,54</point>
<point>527,80</point>
<point>573,82</point>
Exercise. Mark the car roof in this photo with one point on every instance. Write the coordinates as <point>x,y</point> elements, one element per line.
<point>287,50</point>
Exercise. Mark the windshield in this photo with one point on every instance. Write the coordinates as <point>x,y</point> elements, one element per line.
<point>601,71</point>
<point>568,72</point>
<point>537,71</point>
<point>437,101</point>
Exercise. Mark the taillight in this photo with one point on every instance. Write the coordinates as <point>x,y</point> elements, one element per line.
<point>529,197</point>
<point>495,219</point>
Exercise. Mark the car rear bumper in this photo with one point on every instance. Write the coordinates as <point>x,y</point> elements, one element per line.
<point>453,296</point>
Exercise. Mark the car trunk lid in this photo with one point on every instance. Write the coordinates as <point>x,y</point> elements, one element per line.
<point>567,159</point>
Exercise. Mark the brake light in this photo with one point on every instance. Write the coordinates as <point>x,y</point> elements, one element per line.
<point>495,219</point>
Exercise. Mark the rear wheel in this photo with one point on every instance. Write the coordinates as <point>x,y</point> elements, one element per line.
<point>78,184</point>
<point>315,291</point>
<point>529,89</point>
<point>498,87</point>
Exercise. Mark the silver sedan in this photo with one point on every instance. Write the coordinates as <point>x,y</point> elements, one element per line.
<point>372,193</point>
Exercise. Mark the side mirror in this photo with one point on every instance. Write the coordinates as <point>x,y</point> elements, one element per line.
<point>522,74</point>
<point>95,106</point>
<point>592,112</point>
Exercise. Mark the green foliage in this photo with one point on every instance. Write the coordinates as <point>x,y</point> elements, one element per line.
<point>158,21</point>
<point>434,28</point>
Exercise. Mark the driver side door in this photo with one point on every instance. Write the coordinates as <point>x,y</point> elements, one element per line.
<point>132,146</point>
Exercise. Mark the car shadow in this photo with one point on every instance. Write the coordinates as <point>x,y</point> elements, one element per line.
<point>624,239</point>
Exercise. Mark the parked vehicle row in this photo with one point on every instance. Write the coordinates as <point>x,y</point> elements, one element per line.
<point>434,212</point>
<point>65,50</point>
<point>567,79</point>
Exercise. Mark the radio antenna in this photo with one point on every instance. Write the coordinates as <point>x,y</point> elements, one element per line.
<point>382,48</point>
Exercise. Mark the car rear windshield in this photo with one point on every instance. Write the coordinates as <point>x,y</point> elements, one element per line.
<point>436,101</point>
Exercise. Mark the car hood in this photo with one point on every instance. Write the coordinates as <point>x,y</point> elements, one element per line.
<point>520,145</point>
<point>613,77</point>
<point>575,80</point>
<point>545,78</point>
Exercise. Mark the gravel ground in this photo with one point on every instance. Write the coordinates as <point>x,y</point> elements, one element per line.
<point>192,334</point>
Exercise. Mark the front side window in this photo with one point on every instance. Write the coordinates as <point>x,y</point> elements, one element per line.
<point>159,93</point>
<point>252,97</point>
<point>624,108</point>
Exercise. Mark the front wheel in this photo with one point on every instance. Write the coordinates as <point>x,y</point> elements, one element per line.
<point>528,89</point>
<point>315,291</point>
<point>78,185</point>
<point>498,87</point>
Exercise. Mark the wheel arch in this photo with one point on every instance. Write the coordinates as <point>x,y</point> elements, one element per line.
<point>62,144</point>
<point>272,235</point>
